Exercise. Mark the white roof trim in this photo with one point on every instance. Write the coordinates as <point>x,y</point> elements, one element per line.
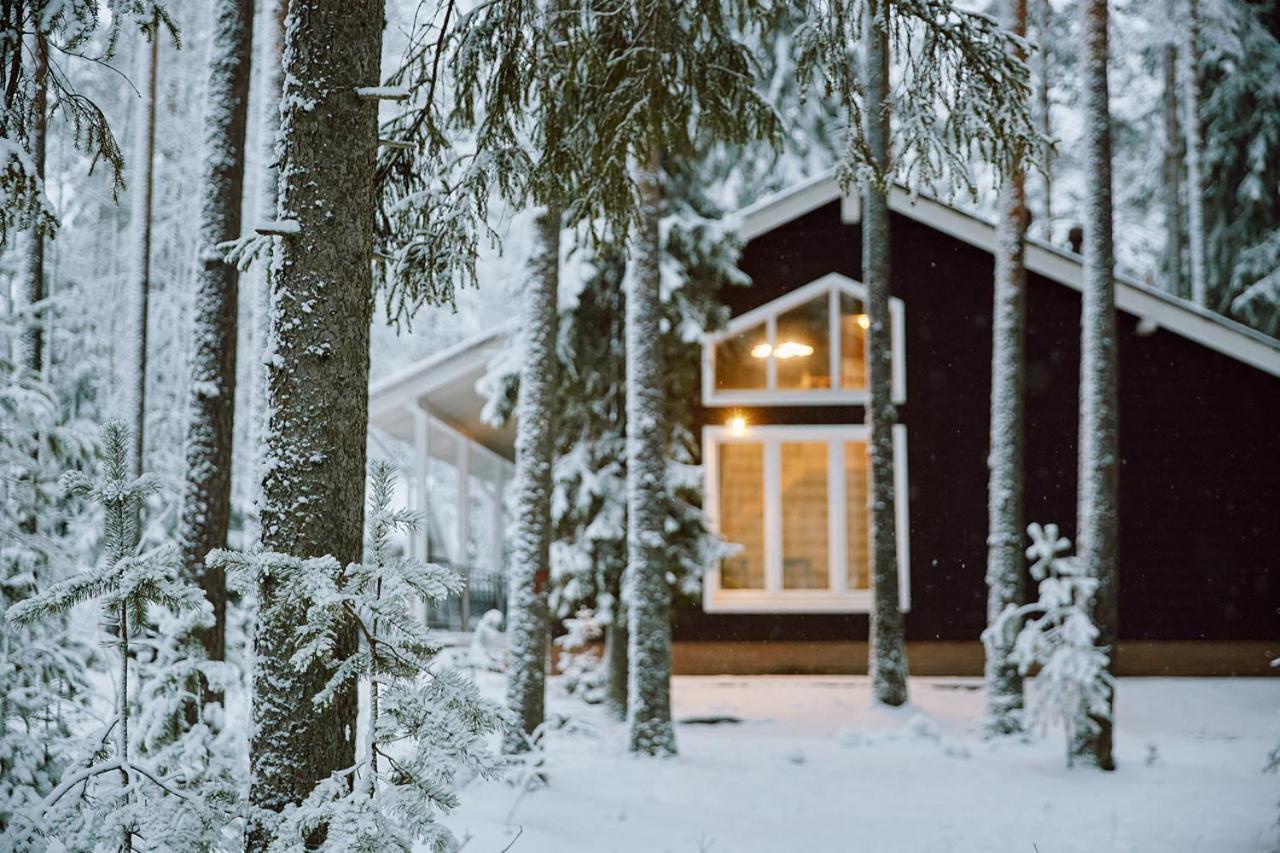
<point>434,372</point>
<point>1152,306</point>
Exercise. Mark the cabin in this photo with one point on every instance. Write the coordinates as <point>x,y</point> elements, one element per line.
<point>781,412</point>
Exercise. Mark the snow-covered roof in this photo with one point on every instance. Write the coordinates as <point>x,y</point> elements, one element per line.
<point>445,384</point>
<point>446,381</point>
<point>1154,307</point>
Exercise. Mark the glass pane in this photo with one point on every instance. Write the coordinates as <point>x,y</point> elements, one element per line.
<point>857,514</point>
<point>742,514</point>
<point>853,343</point>
<point>803,348</point>
<point>804,515</point>
<point>740,360</point>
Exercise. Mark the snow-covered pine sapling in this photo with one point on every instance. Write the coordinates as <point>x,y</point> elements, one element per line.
<point>86,808</point>
<point>1059,639</point>
<point>426,724</point>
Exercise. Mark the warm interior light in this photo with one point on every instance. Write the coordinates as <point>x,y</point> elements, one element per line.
<point>792,349</point>
<point>863,320</point>
<point>737,425</point>
<point>761,351</point>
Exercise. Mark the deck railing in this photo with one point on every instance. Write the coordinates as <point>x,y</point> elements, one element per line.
<point>482,590</point>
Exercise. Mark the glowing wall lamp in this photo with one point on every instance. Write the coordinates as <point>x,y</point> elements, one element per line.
<point>737,425</point>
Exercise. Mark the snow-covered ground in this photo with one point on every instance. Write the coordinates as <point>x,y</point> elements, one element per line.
<point>812,767</point>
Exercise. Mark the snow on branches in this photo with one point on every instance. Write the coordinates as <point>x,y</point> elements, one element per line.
<point>1059,640</point>
<point>427,724</point>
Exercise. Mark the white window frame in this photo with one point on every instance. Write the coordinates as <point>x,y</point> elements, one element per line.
<point>832,284</point>
<point>773,598</point>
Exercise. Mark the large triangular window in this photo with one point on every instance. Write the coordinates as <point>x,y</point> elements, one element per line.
<point>808,347</point>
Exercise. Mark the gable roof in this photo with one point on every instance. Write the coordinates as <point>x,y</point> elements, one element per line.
<point>1154,307</point>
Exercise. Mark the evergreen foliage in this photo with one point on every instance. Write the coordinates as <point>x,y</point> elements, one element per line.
<point>426,724</point>
<point>1058,641</point>
<point>121,791</point>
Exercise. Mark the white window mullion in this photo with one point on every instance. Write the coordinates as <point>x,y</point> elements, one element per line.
<point>833,335</point>
<point>772,517</point>
<point>836,533</point>
<point>771,363</point>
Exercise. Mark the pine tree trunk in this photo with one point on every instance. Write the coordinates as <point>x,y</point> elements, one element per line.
<point>1098,535</point>
<point>530,559</point>
<point>615,662</point>
<point>1005,574</point>
<point>888,649</point>
<point>1044,16</point>
<point>206,507</point>
<point>1190,55</point>
<point>33,290</point>
<point>318,365</point>
<point>144,163</point>
<point>1171,193</point>
<point>648,600</point>
<point>271,76</point>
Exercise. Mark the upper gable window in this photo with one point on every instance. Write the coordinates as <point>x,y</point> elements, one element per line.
<point>808,347</point>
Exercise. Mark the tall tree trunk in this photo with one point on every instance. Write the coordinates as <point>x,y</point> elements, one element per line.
<point>271,77</point>
<point>1190,55</point>
<point>144,163</point>
<point>33,289</point>
<point>615,663</point>
<point>888,648</point>
<point>648,599</point>
<point>530,559</point>
<point>1005,573</point>
<point>206,508</point>
<point>1044,16</point>
<point>1098,520</point>
<point>1171,193</point>
<point>318,366</point>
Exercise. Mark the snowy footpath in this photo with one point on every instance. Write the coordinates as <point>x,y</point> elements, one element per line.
<point>805,764</point>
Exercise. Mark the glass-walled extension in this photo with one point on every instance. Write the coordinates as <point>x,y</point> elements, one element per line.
<point>458,487</point>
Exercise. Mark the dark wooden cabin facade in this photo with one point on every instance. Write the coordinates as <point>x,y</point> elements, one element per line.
<point>782,424</point>
<point>1200,470</point>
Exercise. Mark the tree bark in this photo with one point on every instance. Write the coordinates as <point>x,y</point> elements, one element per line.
<point>1005,574</point>
<point>33,286</point>
<point>1044,15</point>
<point>271,59</point>
<point>1171,193</point>
<point>888,649</point>
<point>1190,55</point>
<point>144,160</point>
<point>648,600</point>
<point>1098,535</point>
<point>530,559</point>
<point>615,662</point>
<point>313,484</point>
<point>206,508</point>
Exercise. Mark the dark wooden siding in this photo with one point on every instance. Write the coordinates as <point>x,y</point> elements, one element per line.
<point>1200,487</point>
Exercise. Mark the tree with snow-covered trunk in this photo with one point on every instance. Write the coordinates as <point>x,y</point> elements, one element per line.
<point>529,568</point>
<point>1043,22</point>
<point>645,591</point>
<point>1171,191</point>
<point>33,276</point>
<point>1005,576</point>
<point>888,647</point>
<point>270,71</point>
<point>1189,53</point>
<point>206,506</point>
<point>140,216</point>
<point>318,368</point>
<point>1097,515</point>
<point>960,85</point>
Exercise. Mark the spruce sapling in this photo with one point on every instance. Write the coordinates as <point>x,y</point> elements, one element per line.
<point>87,808</point>
<point>426,724</point>
<point>1059,639</point>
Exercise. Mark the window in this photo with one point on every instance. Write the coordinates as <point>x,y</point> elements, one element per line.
<point>793,502</point>
<point>808,347</point>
